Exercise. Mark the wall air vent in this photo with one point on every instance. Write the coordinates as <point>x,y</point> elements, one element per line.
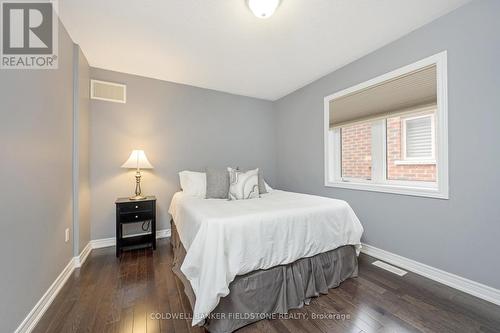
<point>108,91</point>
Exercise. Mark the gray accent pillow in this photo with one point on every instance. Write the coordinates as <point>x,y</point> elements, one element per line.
<point>217,183</point>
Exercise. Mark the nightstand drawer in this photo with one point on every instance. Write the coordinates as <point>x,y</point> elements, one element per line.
<point>136,207</point>
<point>136,217</point>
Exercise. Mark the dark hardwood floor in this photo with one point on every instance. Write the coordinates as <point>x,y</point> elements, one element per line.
<point>120,295</point>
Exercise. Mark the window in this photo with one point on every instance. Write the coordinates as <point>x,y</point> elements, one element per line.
<point>410,146</point>
<point>356,151</point>
<point>418,136</point>
<point>390,134</point>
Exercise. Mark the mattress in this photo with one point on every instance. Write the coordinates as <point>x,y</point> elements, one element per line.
<point>224,239</point>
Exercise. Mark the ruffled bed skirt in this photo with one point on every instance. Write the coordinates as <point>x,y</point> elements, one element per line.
<point>259,294</point>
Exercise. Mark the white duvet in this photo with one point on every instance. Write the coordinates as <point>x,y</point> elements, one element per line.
<point>227,238</point>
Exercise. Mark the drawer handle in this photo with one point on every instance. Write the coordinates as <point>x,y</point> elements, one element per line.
<point>136,206</point>
<point>136,217</point>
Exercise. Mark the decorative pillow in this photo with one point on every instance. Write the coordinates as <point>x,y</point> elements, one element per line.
<point>243,185</point>
<point>217,183</point>
<point>262,184</point>
<point>268,188</point>
<point>193,183</point>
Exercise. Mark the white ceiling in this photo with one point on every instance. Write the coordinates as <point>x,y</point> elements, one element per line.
<point>219,44</point>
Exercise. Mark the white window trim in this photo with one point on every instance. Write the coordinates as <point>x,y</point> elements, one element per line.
<point>440,189</point>
<point>408,160</point>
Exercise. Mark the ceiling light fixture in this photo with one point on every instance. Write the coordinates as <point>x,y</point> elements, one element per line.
<point>263,8</point>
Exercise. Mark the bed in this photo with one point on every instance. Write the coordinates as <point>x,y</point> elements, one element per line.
<point>246,260</point>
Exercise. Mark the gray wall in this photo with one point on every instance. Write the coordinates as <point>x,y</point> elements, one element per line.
<point>179,127</point>
<point>81,151</point>
<point>36,178</point>
<point>460,235</point>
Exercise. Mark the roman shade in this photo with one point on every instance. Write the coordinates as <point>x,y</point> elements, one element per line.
<point>391,97</point>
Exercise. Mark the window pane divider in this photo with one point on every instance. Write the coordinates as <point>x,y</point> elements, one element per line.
<point>378,151</point>
<point>337,155</point>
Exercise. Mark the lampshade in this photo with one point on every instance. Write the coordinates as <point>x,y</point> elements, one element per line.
<point>137,160</point>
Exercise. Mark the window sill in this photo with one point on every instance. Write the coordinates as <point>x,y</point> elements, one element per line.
<point>416,162</point>
<point>411,190</point>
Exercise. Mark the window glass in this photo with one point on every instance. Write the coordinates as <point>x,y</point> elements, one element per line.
<point>356,151</point>
<point>418,165</point>
<point>418,138</point>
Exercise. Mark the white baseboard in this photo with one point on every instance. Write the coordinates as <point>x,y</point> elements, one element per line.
<point>43,304</point>
<point>457,282</point>
<point>103,242</point>
<point>80,260</point>
<point>163,233</point>
<point>108,242</point>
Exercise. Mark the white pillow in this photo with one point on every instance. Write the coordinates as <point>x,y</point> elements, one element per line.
<point>243,185</point>
<point>193,183</point>
<point>268,188</point>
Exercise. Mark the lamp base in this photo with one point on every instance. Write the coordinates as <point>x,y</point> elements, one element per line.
<point>137,197</point>
<point>138,191</point>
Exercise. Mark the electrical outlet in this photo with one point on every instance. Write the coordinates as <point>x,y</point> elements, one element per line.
<point>66,235</point>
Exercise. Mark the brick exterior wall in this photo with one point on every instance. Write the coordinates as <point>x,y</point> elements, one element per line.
<point>356,151</point>
<point>356,154</point>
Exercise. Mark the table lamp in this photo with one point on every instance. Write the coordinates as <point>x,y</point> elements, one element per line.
<point>138,161</point>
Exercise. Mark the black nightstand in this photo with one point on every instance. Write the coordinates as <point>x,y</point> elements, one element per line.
<point>133,211</point>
